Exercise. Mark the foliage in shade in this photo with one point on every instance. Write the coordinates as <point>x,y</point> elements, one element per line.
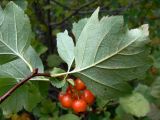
<point>27,96</point>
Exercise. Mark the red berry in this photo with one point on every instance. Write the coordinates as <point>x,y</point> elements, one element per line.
<point>60,96</point>
<point>79,105</point>
<point>88,97</point>
<point>66,101</point>
<point>79,85</point>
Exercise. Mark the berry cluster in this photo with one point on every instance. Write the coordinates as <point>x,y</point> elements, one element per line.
<point>77,97</point>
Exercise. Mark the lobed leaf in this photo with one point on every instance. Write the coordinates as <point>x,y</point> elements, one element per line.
<point>107,54</point>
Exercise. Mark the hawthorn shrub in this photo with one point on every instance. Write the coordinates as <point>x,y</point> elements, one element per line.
<point>106,58</point>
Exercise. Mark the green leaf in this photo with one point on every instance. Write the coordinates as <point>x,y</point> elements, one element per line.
<point>78,27</point>
<point>135,104</point>
<point>107,55</point>
<point>71,81</point>
<point>27,96</point>
<point>65,47</point>
<point>69,117</point>
<point>57,71</point>
<point>54,60</point>
<point>15,32</point>
<point>155,88</point>
<point>57,82</point>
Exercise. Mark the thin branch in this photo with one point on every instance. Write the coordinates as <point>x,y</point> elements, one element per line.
<point>15,87</point>
<point>60,4</point>
<point>112,12</point>
<point>73,13</point>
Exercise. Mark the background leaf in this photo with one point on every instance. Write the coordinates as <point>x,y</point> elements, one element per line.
<point>135,104</point>
<point>65,47</point>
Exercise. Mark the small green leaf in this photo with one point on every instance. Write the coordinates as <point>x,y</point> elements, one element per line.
<point>71,81</point>
<point>78,27</point>
<point>69,117</point>
<point>65,47</point>
<point>135,104</point>
<point>57,71</point>
<point>57,82</point>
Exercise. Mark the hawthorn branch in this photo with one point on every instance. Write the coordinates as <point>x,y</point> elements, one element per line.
<point>22,82</point>
<point>74,13</point>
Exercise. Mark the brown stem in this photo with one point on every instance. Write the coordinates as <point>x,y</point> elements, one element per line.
<point>15,87</point>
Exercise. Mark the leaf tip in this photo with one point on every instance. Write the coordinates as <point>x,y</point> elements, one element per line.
<point>145,28</point>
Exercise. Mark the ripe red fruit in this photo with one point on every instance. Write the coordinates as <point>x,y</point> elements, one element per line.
<point>88,97</point>
<point>60,96</point>
<point>79,105</point>
<point>79,85</point>
<point>66,101</point>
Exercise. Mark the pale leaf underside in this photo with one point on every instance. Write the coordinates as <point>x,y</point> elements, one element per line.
<point>15,32</point>
<point>107,55</point>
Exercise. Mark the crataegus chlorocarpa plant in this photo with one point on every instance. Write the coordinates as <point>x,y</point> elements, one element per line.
<point>105,55</point>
